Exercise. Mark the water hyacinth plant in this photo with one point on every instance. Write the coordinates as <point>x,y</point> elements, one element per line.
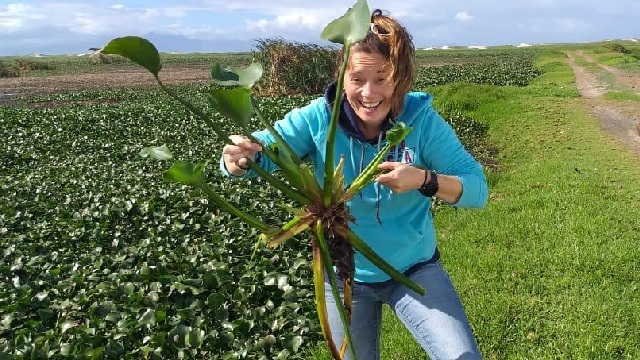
<point>324,211</point>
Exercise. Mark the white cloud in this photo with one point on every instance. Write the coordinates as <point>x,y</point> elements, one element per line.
<point>10,25</point>
<point>463,16</point>
<point>431,23</point>
<point>287,21</point>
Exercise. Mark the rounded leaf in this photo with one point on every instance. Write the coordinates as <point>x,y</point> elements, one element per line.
<point>246,77</point>
<point>233,103</point>
<point>139,50</point>
<point>157,152</point>
<point>398,133</point>
<point>179,336</point>
<point>185,172</point>
<point>351,27</point>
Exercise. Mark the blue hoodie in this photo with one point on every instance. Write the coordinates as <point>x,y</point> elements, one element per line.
<point>398,227</point>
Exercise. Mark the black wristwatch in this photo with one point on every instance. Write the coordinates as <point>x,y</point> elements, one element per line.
<point>429,188</point>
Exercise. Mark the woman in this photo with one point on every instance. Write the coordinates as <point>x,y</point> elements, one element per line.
<point>392,214</point>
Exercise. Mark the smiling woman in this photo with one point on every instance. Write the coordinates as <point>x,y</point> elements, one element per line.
<point>369,90</point>
<point>391,215</point>
<point>381,154</point>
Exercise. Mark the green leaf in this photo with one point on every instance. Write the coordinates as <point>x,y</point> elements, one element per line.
<point>178,336</point>
<point>233,103</point>
<point>246,77</point>
<point>293,343</point>
<point>157,152</point>
<point>186,173</point>
<point>148,318</point>
<point>140,51</point>
<point>215,301</point>
<point>66,325</point>
<point>196,338</point>
<point>398,133</point>
<point>350,27</point>
<point>114,350</point>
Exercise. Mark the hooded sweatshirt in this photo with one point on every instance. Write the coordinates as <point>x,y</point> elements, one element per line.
<point>398,227</point>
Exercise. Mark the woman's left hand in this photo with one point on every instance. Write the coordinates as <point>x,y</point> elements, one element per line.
<point>401,177</point>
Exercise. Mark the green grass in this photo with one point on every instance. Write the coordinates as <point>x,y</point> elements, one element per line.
<point>549,270</point>
<point>622,95</point>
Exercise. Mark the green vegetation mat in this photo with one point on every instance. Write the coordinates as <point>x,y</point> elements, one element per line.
<point>102,259</point>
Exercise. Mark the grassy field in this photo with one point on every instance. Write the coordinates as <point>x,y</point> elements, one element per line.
<point>101,258</point>
<point>549,270</point>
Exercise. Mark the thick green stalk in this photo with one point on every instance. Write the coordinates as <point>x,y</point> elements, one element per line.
<point>335,112</point>
<point>293,194</point>
<point>221,134</point>
<point>368,174</point>
<point>311,188</point>
<point>365,250</point>
<point>289,191</point>
<point>294,227</point>
<point>288,168</point>
<point>224,204</point>
<point>328,265</point>
<point>321,304</point>
<point>279,140</point>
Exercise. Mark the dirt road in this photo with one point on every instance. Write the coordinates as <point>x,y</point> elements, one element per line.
<point>621,118</point>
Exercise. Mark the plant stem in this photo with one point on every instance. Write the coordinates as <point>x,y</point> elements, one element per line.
<point>368,174</point>
<point>221,134</point>
<point>328,265</point>
<point>335,112</point>
<point>293,194</point>
<point>321,303</point>
<point>249,219</point>
<point>365,250</point>
<point>289,191</point>
<point>279,140</point>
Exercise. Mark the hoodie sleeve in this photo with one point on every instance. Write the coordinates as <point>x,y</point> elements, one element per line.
<point>443,152</point>
<point>299,128</point>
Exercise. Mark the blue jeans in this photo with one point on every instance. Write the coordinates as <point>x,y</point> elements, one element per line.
<point>436,320</point>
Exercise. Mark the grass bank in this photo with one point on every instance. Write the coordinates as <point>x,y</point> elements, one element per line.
<point>549,270</point>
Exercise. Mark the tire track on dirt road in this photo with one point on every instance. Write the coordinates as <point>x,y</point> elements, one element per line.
<point>618,117</point>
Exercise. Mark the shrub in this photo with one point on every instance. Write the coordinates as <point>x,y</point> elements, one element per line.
<point>30,65</point>
<point>618,48</point>
<point>294,68</point>
<point>100,58</point>
<point>8,70</point>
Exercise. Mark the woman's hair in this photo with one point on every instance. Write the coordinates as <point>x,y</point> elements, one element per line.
<point>387,37</point>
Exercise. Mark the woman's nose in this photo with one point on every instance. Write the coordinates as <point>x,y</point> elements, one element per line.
<point>367,89</point>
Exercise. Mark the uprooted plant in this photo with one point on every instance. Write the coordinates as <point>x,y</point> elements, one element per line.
<point>324,211</point>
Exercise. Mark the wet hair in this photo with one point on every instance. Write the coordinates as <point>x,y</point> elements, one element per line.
<point>389,38</point>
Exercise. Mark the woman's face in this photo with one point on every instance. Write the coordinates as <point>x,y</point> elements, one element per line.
<point>368,88</point>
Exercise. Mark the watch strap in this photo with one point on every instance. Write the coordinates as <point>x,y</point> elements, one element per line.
<point>429,187</point>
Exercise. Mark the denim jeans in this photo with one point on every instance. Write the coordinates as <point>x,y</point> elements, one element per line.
<point>436,320</point>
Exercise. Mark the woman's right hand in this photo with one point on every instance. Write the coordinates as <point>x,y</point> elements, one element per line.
<point>236,156</point>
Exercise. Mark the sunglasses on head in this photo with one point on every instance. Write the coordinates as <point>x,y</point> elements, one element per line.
<point>376,29</point>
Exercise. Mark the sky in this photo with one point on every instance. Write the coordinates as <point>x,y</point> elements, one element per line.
<point>52,27</point>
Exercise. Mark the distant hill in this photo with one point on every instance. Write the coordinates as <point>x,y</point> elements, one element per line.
<point>164,43</point>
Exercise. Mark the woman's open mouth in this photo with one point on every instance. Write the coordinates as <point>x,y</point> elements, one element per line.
<point>370,105</point>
